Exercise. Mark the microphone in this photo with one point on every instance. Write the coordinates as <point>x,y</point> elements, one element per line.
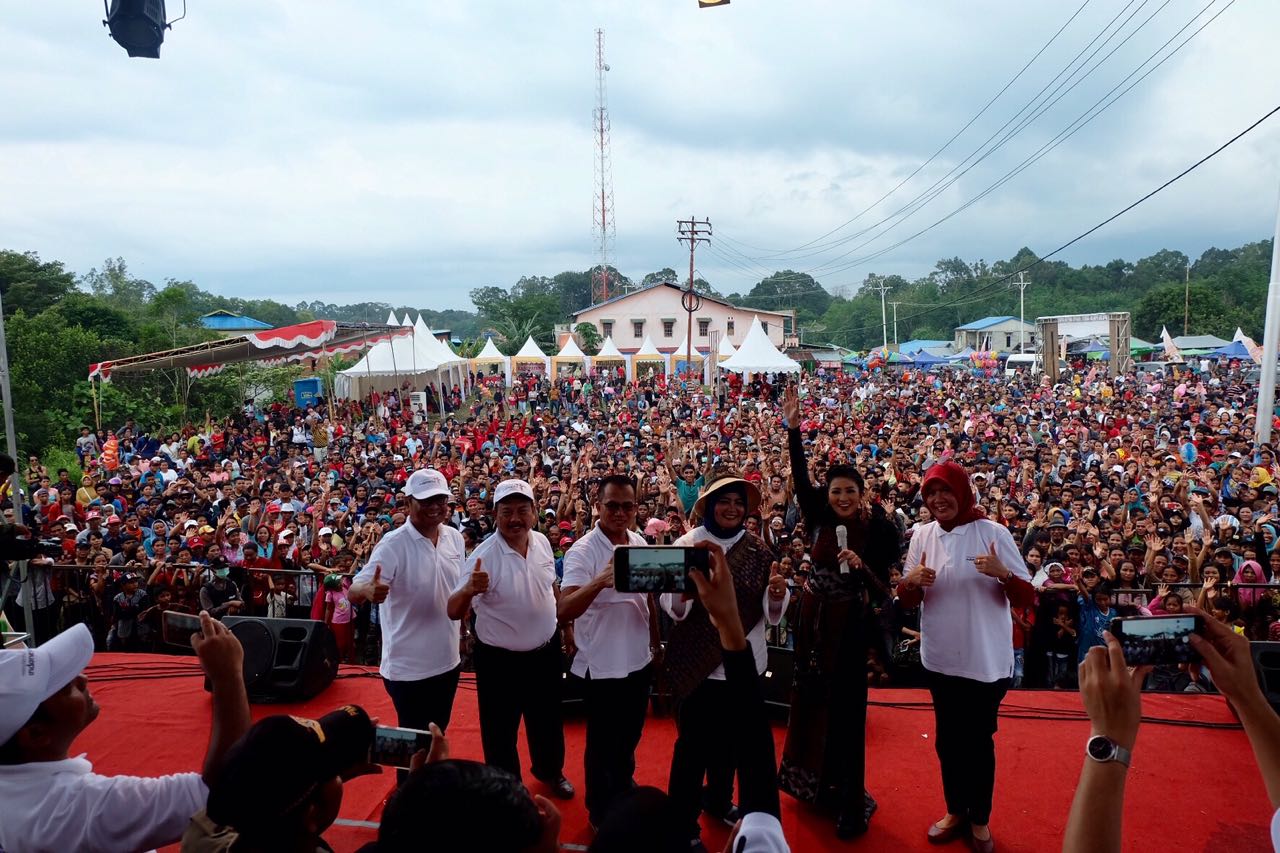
<point>842,541</point>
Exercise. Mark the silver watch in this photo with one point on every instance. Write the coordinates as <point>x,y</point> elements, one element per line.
<point>1103,749</point>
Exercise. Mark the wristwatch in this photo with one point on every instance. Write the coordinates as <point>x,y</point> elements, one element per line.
<point>1103,749</point>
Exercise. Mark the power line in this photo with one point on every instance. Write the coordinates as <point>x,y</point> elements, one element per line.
<point>1028,105</point>
<point>1003,279</point>
<point>944,147</point>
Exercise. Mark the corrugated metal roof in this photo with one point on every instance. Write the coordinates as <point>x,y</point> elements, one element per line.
<point>984,323</point>
<point>225,321</point>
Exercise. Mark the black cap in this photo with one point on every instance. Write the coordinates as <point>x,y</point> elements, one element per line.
<point>281,761</point>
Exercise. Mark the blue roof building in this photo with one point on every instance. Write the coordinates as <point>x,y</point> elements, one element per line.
<point>1002,334</point>
<point>227,323</point>
<point>914,346</point>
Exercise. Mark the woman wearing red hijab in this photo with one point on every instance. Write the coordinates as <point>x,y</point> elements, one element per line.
<point>964,571</point>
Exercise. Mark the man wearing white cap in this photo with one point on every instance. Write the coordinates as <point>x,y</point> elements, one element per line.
<point>410,575</point>
<point>510,581</point>
<point>50,801</point>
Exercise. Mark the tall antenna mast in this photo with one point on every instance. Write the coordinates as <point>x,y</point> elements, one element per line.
<point>602,226</point>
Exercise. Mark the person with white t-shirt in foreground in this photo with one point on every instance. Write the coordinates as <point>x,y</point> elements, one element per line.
<point>964,571</point>
<point>50,801</point>
<point>617,638</point>
<point>510,581</point>
<point>410,575</point>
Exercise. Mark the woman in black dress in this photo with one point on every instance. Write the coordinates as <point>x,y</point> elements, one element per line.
<point>824,760</point>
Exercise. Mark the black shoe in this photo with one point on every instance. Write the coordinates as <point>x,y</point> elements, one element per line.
<point>729,816</point>
<point>850,825</point>
<point>561,789</point>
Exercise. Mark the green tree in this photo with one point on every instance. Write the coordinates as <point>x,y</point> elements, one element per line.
<point>31,285</point>
<point>1212,312</point>
<point>113,281</point>
<point>590,335</point>
<point>789,289</point>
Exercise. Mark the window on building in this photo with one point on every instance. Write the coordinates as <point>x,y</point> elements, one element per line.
<point>637,328</point>
<point>728,327</point>
<point>1008,341</point>
<point>606,328</point>
<point>704,327</point>
<point>668,328</point>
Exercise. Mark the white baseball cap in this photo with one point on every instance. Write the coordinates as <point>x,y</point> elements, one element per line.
<point>426,483</point>
<point>325,531</point>
<point>508,488</point>
<point>30,676</point>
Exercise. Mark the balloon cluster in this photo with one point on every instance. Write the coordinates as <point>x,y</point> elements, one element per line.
<point>984,360</point>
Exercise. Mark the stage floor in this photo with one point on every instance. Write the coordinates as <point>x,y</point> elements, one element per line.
<point>1193,786</point>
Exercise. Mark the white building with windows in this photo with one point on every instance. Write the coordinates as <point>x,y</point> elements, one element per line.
<point>1002,334</point>
<point>657,312</point>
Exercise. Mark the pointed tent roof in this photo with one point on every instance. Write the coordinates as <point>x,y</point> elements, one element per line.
<point>726,347</point>
<point>391,319</point>
<point>609,351</point>
<point>648,350</point>
<point>428,341</point>
<point>571,349</point>
<point>530,351</point>
<point>490,352</point>
<point>682,351</point>
<point>758,354</point>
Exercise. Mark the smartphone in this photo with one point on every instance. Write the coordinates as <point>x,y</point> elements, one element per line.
<point>176,628</point>
<point>393,747</point>
<point>1158,640</point>
<point>657,568</point>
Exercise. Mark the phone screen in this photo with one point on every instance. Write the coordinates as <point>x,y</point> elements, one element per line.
<point>656,568</point>
<point>176,628</point>
<point>393,747</point>
<point>1157,640</point>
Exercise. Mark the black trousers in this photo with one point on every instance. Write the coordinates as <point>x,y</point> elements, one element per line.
<point>965,717</point>
<point>615,719</point>
<point>704,747</point>
<point>423,702</point>
<point>511,685</point>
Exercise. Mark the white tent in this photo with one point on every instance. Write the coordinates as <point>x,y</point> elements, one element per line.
<point>681,356</point>
<point>387,365</point>
<point>726,349</point>
<point>530,354</point>
<point>454,364</point>
<point>490,354</point>
<point>609,352</point>
<point>570,354</point>
<point>647,353</point>
<point>758,354</point>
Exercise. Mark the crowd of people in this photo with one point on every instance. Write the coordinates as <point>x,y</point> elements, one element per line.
<point>844,504</point>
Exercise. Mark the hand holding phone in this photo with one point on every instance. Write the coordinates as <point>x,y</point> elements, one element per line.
<point>396,747</point>
<point>657,568</point>
<point>1158,640</point>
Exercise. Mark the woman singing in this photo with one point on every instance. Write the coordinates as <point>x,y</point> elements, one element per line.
<point>824,760</point>
<point>965,572</point>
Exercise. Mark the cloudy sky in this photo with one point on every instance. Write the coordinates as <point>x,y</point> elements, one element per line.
<point>410,151</point>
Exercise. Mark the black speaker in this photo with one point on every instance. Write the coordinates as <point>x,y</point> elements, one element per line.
<point>285,660</point>
<point>1266,662</point>
<point>778,673</point>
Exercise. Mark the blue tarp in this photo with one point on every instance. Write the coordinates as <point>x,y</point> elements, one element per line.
<point>924,358</point>
<point>1235,349</point>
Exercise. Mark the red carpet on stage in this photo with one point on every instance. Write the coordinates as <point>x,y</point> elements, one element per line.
<point>1192,788</point>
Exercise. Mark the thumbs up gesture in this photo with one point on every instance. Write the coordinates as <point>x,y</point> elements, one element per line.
<point>922,575</point>
<point>989,564</point>
<point>380,587</point>
<point>777,586</point>
<point>478,583</point>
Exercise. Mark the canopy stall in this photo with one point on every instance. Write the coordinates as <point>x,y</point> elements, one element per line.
<point>611,355</point>
<point>489,356</point>
<point>757,354</point>
<point>926,359</point>
<point>725,350</point>
<point>529,355</point>
<point>681,362</point>
<point>391,363</point>
<point>648,355</point>
<point>454,364</point>
<point>570,356</point>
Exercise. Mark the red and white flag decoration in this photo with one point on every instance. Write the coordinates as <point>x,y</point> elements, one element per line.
<point>101,371</point>
<point>204,371</point>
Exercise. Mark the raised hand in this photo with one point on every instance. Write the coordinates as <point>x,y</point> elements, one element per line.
<point>380,587</point>
<point>791,406</point>
<point>478,583</point>
<point>989,564</point>
<point>777,586</point>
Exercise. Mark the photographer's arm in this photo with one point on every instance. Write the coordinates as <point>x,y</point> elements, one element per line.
<point>222,658</point>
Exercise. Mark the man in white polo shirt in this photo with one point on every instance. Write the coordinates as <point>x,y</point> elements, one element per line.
<point>50,801</point>
<point>410,575</point>
<point>617,637</point>
<point>510,581</point>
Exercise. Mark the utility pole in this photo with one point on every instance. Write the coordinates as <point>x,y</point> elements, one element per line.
<point>17,569</point>
<point>884,319</point>
<point>1186,301</point>
<point>693,232</point>
<point>602,221</point>
<point>1021,284</point>
<point>895,322</point>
